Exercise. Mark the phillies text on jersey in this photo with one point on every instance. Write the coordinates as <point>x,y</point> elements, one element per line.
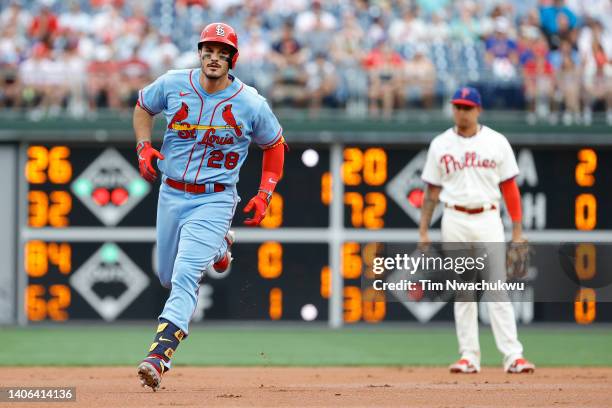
<point>469,169</point>
<point>208,135</point>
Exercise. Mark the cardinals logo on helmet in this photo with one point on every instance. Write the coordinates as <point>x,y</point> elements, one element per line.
<point>229,118</point>
<point>219,30</point>
<point>180,115</point>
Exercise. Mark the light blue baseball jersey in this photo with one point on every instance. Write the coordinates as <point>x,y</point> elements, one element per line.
<point>208,135</point>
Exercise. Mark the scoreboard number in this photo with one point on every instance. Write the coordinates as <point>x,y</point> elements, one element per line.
<point>586,212</point>
<point>270,260</point>
<point>39,254</point>
<point>276,304</point>
<point>270,266</point>
<point>49,208</point>
<point>585,306</point>
<point>38,307</point>
<point>586,203</point>
<point>51,164</point>
<point>587,164</point>
<point>369,166</point>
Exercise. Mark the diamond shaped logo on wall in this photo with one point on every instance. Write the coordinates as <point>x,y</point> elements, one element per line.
<point>424,311</point>
<point>110,187</point>
<point>109,281</point>
<point>408,190</point>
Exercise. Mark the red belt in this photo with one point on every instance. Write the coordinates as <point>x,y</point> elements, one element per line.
<point>471,210</point>
<point>195,188</point>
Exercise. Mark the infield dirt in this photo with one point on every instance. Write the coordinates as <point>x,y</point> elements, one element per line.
<point>320,387</point>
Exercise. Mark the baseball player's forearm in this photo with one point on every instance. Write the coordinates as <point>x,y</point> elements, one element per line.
<point>272,168</point>
<point>432,196</point>
<point>517,232</point>
<point>143,124</point>
<point>512,198</point>
<point>271,172</point>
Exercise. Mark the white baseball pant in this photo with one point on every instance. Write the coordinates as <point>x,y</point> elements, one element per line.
<point>458,226</point>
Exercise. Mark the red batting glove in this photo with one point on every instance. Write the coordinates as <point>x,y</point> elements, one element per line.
<point>260,205</point>
<point>146,153</point>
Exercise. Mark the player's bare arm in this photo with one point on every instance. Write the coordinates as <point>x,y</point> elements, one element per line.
<point>143,124</point>
<point>517,232</point>
<point>432,196</point>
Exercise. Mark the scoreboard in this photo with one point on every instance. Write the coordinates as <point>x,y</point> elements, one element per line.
<point>561,188</point>
<point>87,232</point>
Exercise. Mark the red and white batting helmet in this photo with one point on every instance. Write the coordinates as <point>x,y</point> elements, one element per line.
<point>221,33</point>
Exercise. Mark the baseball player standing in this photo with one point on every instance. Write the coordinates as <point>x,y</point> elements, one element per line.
<point>212,117</point>
<point>466,168</point>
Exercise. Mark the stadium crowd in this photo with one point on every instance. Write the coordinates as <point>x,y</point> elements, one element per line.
<point>552,58</point>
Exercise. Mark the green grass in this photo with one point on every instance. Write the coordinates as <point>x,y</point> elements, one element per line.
<point>292,346</point>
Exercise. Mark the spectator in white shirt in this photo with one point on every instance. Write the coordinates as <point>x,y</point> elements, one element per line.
<point>309,20</point>
<point>75,19</point>
<point>409,29</point>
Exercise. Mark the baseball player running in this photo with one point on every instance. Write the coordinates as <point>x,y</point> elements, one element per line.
<point>466,168</point>
<point>212,117</point>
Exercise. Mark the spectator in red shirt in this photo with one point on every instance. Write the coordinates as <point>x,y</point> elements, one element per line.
<point>101,3</point>
<point>44,26</point>
<point>539,77</point>
<point>384,67</point>
<point>189,3</point>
